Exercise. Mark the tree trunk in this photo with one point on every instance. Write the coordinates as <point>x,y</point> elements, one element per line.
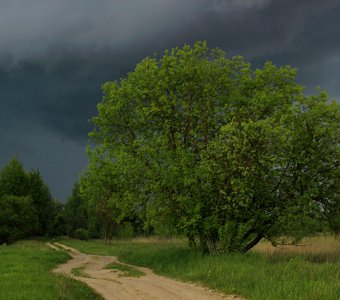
<point>252,243</point>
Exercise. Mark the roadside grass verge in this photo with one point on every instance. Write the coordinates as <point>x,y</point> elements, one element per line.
<point>310,271</point>
<point>25,274</point>
<point>126,271</point>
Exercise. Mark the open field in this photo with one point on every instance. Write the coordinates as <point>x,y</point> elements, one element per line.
<point>308,271</point>
<point>25,274</point>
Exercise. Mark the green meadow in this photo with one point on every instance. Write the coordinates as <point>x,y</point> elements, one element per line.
<point>25,273</point>
<point>308,271</point>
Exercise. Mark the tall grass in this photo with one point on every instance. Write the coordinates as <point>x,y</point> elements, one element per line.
<point>323,248</point>
<point>25,274</point>
<point>309,271</point>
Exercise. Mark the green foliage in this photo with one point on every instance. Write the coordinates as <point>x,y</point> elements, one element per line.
<point>98,189</point>
<point>13,179</point>
<point>75,213</point>
<point>204,145</point>
<point>25,272</point>
<point>18,218</point>
<point>41,199</point>
<point>81,233</point>
<point>58,225</point>
<point>26,202</point>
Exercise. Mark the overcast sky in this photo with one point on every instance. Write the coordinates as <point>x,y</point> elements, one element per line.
<point>56,54</point>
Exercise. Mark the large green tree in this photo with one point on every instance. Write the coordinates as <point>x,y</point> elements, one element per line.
<point>224,154</point>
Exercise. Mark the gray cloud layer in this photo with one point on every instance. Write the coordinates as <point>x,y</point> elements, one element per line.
<point>46,31</point>
<point>35,29</point>
<point>54,56</point>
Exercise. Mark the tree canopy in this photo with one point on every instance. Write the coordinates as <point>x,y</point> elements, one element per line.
<point>13,179</point>
<point>26,205</point>
<point>222,153</point>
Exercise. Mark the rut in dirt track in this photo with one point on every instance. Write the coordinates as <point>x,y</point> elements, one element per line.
<point>115,285</point>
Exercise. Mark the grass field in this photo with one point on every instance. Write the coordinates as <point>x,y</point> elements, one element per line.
<point>308,271</point>
<point>25,274</point>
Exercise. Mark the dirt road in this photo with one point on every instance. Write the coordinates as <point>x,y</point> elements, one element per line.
<point>118,285</point>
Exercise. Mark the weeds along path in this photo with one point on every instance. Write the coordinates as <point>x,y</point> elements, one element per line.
<point>115,280</point>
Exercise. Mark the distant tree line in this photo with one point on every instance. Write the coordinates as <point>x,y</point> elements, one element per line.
<point>85,219</point>
<point>26,205</point>
<point>27,209</point>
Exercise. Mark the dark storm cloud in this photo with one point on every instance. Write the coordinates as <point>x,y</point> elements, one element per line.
<point>55,55</point>
<point>34,29</point>
<point>47,31</point>
<point>58,53</point>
